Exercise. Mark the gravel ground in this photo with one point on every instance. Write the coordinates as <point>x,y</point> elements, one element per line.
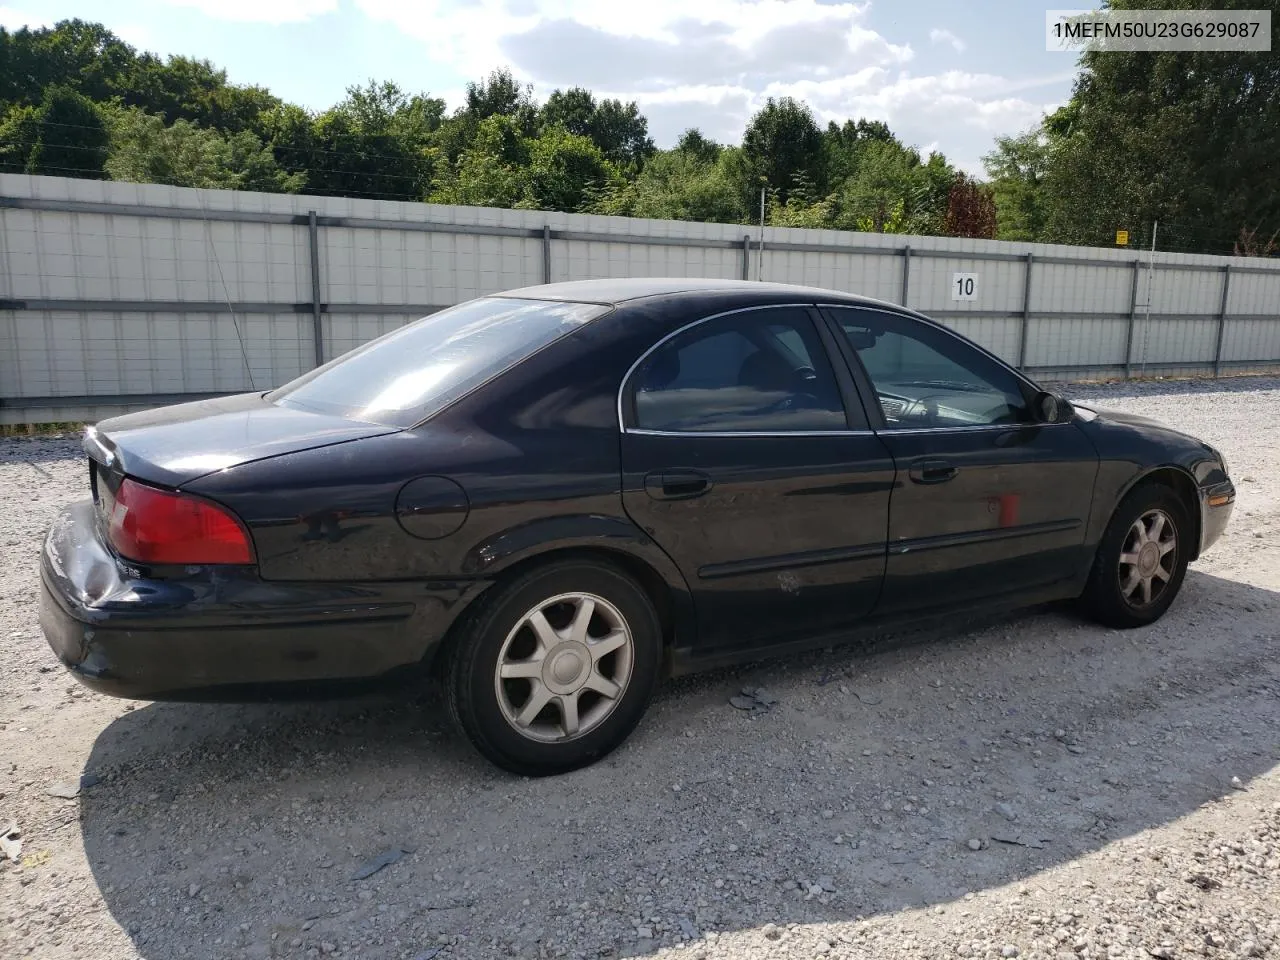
<point>1036,787</point>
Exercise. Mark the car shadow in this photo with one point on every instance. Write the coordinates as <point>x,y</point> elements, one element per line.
<point>239,830</point>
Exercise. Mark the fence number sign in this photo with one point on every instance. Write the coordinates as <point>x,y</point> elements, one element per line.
<point>964,286</point>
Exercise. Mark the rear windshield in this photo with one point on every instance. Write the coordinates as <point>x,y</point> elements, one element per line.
<point>407,375</point>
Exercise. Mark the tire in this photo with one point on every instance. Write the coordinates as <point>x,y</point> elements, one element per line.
<point>549,660</point>
<point>1116,594</point>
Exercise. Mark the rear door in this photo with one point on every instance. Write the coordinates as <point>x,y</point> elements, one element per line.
<point>750,462</point>
<point>989,502</point>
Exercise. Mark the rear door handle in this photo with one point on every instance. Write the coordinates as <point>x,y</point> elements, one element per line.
<point>932,471</point>
<point>676,484</point>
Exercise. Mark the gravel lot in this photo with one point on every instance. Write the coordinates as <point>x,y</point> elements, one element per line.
<point>1036,787</point>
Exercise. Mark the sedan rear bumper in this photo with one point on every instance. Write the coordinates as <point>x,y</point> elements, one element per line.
<point>222,633</point>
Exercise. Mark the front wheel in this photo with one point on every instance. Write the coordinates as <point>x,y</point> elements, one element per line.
<point>1141,561</point>
<point>556,669</point>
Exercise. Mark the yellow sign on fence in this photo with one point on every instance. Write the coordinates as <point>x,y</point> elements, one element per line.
<point>1122,238</point>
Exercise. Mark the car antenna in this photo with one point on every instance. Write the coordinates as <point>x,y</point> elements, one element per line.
<point>217,262</point>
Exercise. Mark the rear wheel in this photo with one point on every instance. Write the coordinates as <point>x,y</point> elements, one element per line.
<point>556,669</point>
<point>1142,559</point>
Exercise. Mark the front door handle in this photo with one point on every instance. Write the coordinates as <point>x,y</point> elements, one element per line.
<point>932,471</point>
<point>677,484</point>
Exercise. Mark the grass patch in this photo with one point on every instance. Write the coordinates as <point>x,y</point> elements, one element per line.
<point>39,429</point>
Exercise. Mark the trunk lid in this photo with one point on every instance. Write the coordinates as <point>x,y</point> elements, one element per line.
<point>173,446</point>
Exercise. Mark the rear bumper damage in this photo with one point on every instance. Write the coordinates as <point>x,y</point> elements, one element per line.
<point>222,633</point>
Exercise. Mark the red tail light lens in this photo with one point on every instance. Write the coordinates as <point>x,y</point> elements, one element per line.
<point>157,526</point>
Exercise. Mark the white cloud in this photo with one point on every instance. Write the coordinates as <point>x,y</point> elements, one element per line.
<point>13,19</point>
<point>674,42</point>
<point>937,35</point>
<point>137,34</point>
<point>720,112</point>
<point>956,112</point>
<point>260,11</point>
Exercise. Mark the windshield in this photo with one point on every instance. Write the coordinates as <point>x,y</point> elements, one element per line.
<point>406,376</point>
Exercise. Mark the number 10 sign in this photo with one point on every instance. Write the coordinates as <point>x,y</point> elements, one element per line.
<point>964,286</point>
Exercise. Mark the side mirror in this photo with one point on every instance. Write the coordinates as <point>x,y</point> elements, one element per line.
<point>860,338</point>
<point>1050,408</point>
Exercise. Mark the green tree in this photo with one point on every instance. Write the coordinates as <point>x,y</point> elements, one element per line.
<point>502,167</point>
<point>678,185</point>
<point>184,88</point>
<point>145,150</point>
<point>91,60</point>
<point>1017,168</point>
<point>492,171</point>
<point>290,132</point>
<point>565,170</point>
<point>375,143</point>
<point>781,144</point>
<point>885,192</point>
<point>843,145</point>
<point>86,57</point>
<point>500,94</point>
<point>619,130</point>
<point>18,134</point>
<point>573,109</point>
<point>63,137</point>
<point>692,143</point>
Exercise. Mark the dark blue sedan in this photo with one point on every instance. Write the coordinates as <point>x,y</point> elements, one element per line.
<point>552,498</point>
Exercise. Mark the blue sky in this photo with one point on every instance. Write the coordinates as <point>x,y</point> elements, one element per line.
<point>944,74</point>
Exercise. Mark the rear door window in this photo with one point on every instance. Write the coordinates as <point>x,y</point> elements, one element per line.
<point>760,371</point>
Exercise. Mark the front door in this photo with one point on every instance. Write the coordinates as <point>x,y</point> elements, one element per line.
<point>750,463</point>
<point>988,502</point>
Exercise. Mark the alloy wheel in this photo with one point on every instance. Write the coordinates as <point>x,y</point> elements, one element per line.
<point>564,667</point>
<point>1148,558</point>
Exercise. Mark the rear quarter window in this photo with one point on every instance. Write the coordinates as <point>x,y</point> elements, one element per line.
<point>412,373</point>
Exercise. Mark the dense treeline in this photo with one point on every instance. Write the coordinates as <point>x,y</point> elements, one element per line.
<point>78,101</point>
<point>1186,139</point>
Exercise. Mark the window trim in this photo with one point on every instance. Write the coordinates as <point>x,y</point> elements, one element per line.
<point>875,415</point>
<point>819,326</point>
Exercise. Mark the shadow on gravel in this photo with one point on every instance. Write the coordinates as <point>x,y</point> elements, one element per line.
<point>239,831</point>
<point>40,449</point>
<point>1165,388</point>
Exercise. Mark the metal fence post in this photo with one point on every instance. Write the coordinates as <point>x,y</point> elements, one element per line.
<point>546,253</point>
<point>906,272</point>
<point>1133,313</point>
<point>1222,320</point>
<point>1026,314</point>
<point>746,256</point>
<point>317,331</point>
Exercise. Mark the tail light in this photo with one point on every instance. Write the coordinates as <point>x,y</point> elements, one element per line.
<point>160,526</point>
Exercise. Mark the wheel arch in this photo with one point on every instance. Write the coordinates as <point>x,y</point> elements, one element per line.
<point>1180,480</point>
<point>603,539</point>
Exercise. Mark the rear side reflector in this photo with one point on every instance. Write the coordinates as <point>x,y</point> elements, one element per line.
<point>158,526</point>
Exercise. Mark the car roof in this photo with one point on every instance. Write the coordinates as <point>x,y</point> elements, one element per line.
<point>622,290</point>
